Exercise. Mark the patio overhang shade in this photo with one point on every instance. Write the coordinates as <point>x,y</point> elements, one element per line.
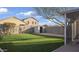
<point>71,16</point>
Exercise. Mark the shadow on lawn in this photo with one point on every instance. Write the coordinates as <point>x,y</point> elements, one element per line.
<point>31,48</point>
<point>6,46</point>
<point>20,39</point>
<point>46,36</point>
<point>27,38</point>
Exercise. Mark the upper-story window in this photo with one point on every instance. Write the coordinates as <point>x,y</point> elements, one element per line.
<point>32,22</point>
<point>35,22</point>
<point>27,22</point>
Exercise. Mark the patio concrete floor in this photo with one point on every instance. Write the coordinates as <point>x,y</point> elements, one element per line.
<point>68,48</point>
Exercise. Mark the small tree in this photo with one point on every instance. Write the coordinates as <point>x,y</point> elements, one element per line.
<point>1,35</point>
<point>8,28</point>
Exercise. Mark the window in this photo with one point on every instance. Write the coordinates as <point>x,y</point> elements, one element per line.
<point>27,22</point>
<point>32,22</point>
<point>35,22</point>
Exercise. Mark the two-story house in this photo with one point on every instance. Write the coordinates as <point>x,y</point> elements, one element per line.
<point>25,25</point>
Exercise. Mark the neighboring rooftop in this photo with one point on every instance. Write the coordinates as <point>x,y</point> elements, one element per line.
<point>12,20</point>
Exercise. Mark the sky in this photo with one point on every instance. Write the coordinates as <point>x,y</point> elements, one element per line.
<point>23,12</point>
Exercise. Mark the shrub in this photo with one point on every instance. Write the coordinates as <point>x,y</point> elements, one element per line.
<point>1,37</point>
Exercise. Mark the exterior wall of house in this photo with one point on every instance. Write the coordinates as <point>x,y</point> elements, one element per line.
<point>55,30</point>
<point>50,29</point>
<point>17,23</point>
<point>75,29</point>
<point>77,26</point>
<point>16,30</point>
<point>31,23</point>
<point>37,29</point>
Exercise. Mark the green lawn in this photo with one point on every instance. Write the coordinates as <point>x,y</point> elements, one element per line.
<point>30,42</point>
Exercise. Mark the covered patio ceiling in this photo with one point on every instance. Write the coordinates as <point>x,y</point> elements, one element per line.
<point>71,12</point>
<point>68,9</point>
<point>73,15</point>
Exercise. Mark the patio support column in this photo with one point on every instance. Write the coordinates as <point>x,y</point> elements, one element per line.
<point>75,28</point>
<point>65,29</point>
<point>72,31</point>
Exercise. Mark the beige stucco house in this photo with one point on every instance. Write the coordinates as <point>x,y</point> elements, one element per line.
<point>21,26</point>
<point>31,23</point>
